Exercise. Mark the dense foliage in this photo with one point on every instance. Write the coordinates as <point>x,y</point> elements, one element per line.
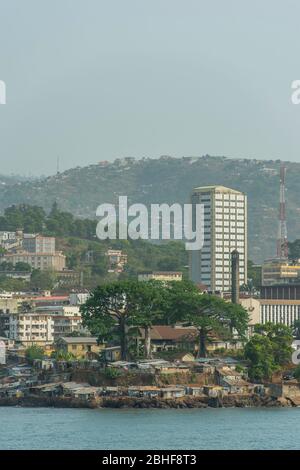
<point>84,252</point>
<point>117,309</point>
<point>268,350</point>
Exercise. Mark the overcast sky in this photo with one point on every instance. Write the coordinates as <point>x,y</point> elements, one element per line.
<point>91,80</point>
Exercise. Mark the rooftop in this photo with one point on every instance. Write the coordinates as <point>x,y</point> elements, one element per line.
<point>216,188</point>
<point>79,340</point>
<point>164,332</point>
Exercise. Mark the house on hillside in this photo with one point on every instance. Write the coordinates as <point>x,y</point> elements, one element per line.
<point>232,381</point>
<point>82,347</point>
<point>170,338</point>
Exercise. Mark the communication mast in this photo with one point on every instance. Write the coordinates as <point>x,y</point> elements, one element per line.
<point>282,241</point>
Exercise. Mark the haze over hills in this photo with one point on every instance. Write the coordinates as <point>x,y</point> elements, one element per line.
<point>167,179</point>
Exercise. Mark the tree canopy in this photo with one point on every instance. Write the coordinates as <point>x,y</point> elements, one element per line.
<point>268,350</point>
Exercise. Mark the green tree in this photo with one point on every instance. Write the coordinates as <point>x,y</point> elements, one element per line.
<point>61,355</point>
<point>109,312</point>
<point>177,301</point>
<point>212,315</point>
<point>34,352</point>
<point>207,313</point>
<point>22,267</point>
<point>296,329</point>
<point>6,266</point>
<point>281,338</point>
<point>29,218</point>
<point>254,276</point>
<point>297,373</point>
<point>268,350</point>
<point>148,301</point>
<point>42,280</point>
<point>259,351</point>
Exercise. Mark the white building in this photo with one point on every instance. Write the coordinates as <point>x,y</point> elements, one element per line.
<point>79,298</point>
<point>31,328</point>
<point>164,276</point>
<point>225,230</point>
<point>263,311</point>
<point>279,311</point>
<point>44,325</point>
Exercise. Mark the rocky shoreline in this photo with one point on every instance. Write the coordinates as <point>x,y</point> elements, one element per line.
<point>230,401</point>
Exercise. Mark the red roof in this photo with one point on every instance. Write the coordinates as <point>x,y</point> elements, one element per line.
<point>50,298</point>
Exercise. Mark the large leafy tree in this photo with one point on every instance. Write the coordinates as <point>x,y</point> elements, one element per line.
<point>268,350</point>
<point>281,338</point>
<point>116,309</point>
<point>209,314</point>
<point>43,280</point>
<point>148,301</point>
<point>108,313</point>
<point>259,351</point>
<point>179,295</point>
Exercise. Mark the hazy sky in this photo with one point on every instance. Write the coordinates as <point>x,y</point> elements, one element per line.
<point>93,80</point>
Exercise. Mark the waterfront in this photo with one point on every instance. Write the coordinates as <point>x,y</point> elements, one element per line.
<point>231,428</point>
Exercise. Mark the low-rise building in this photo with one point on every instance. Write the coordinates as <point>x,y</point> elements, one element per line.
<point>43,325</point>
<point>144,391</point>
<point>43,261</point>
<point>279,311</point>
<point>168,338</point>
<point>232,381</point>
<point>275,310</point>
<point>111,353</point>
<point>81,347</point>
<point>164,276</point>
<point>278,271</point>
<point>116,260</point>
<point>172,392</point>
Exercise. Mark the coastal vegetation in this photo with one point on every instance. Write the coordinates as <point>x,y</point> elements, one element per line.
<point>268,350</point>
<point>119,310</point>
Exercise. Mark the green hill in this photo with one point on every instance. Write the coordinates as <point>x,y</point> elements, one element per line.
<point>81,190</point>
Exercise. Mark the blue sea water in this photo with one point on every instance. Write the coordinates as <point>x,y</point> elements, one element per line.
<point>110,429</point>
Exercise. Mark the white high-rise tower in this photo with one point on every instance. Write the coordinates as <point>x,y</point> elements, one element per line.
<point>225,230</point>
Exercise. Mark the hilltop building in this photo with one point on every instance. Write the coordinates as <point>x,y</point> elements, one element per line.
<point>37,251</point>
<point>116,260</point>
<point>34,243</point>
<point>43,261</point>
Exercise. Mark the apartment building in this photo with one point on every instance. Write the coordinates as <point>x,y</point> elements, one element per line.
<point>41,327</point>
<point>225,230</point>
<point>43,261</point>
<point>30,328</point>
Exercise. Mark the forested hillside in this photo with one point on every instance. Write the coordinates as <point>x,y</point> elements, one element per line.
<point>81,190</point>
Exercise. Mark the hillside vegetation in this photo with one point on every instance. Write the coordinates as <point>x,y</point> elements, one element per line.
<point>84,252</point>
<point>81,190</point>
